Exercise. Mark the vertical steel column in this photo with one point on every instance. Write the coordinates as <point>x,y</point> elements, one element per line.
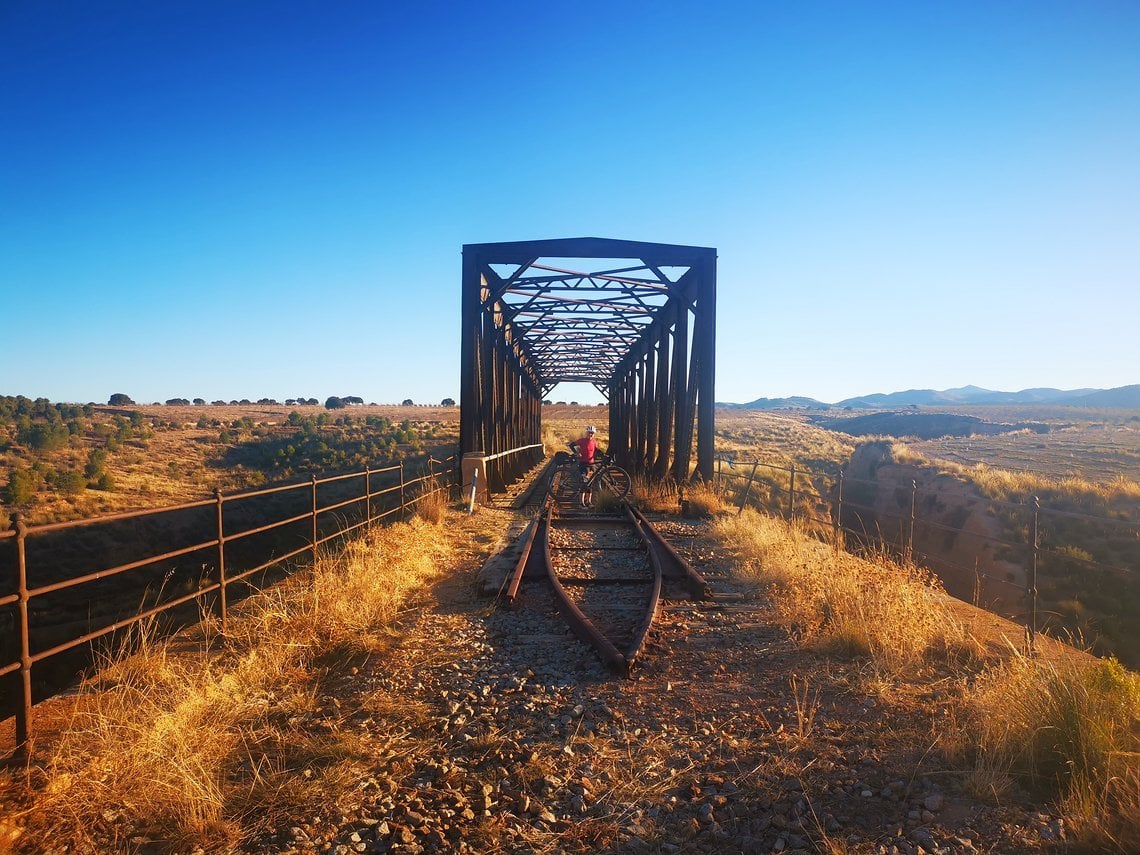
<point>680,390</point>
<point>471,325</point>
<point>651,407</point>
<point>664,398</point>
<point>641,417</point>
<point>486,376</point>
<point>704,356</point>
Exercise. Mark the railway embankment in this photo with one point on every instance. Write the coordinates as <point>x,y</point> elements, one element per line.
<point>464,727</point>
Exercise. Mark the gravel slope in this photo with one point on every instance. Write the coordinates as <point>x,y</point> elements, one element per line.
<point>496,731</point>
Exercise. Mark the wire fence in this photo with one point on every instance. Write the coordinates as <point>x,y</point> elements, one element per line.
<point>1009,542</point>
<point>66,587</point>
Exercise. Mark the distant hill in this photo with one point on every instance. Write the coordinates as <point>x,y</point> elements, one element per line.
<point>1123,396</point>
<point>1127,397</point>
<point>965,396</point>
<point>922,425</point>
<point>794,403</point>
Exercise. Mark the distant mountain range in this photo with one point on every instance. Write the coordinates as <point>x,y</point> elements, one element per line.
<point>1127,397</point>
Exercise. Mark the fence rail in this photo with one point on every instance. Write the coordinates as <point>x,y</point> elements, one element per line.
<point>800,493</point>
<point>350,503</point>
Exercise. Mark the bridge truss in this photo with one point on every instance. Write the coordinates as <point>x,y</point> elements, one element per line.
<point>636,320</point>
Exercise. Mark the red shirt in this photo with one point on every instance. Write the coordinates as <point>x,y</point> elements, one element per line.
<point>586,446</point>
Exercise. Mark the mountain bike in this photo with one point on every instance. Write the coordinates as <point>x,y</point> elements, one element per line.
<point>604,475</point>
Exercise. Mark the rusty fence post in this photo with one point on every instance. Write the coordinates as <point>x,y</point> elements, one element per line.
<point>747,488</point>
<point>367,494</point>
<point>910,530</point>
<point>1031,578</point>
<point>24,711</point>
<point>792,494</point>
<point>314,512</point>
<point>837,521</point>
<point>221,562</point>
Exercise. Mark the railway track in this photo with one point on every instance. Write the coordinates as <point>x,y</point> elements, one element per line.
<point>608,572</point>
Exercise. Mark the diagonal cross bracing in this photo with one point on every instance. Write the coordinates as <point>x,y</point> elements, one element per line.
<point>636,320</point>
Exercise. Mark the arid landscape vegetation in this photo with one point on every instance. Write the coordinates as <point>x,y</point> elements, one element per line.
<point>63,462</point>
<point>287,759</point>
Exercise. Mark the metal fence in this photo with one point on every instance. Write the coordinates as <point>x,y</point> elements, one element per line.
<point>220,542</point>
<point>842,508</point>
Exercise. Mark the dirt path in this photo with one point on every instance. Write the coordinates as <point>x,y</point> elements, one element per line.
<point>485,730</point>
<point>731,739</point>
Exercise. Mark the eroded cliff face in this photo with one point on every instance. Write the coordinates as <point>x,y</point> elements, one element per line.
<point>956,528</point>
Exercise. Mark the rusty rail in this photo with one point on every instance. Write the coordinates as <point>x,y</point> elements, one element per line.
<point>327,525</point>
<point>534,561</point>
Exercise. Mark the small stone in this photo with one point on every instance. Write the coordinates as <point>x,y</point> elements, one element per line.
<point>923,838</point>
<point>934,802</point>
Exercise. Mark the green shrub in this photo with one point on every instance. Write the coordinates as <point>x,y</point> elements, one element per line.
<point>70,483</point>
<point>21,487</point>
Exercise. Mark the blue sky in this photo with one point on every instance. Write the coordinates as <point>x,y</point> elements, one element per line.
<point>233,200</point>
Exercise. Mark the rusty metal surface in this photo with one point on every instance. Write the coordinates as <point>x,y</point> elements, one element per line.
<point>672,564</point>
<point>661,558</point>
<point>634,319</point>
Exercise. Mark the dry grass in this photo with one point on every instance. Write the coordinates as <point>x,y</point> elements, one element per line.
<point>1008,484</point>
<point>702,501</point>
<point>208,749</point>
<point>652,495</point>
<point>432,502</point>
<point>837,601</point>
<point>1074,727</point>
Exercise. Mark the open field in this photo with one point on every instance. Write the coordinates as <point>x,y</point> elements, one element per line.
<point>377,701</point>
<point>162,455</point>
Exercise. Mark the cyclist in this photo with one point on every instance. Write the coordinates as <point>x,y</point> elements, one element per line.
<point>585,448</point>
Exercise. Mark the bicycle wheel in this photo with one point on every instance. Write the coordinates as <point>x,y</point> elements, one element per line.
<point>616,480</point>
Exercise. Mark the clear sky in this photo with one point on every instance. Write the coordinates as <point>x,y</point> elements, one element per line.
<point>243,200</point>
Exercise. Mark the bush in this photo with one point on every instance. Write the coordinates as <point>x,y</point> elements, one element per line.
<point>96,460</point>
<point>70,483</point>
<point>1073,726</point>
<point>21,487</point>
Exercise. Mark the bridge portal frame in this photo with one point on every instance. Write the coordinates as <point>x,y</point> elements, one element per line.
<point>658,364</point>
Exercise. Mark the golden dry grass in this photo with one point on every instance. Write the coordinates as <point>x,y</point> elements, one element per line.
<point>1007,484</point>
<point>205,749</point>
<point>837,601</point>
<point>702,501</point>
<point>1072,726</point>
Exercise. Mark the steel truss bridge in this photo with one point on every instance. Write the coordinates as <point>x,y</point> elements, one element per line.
<point>637,320</point>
